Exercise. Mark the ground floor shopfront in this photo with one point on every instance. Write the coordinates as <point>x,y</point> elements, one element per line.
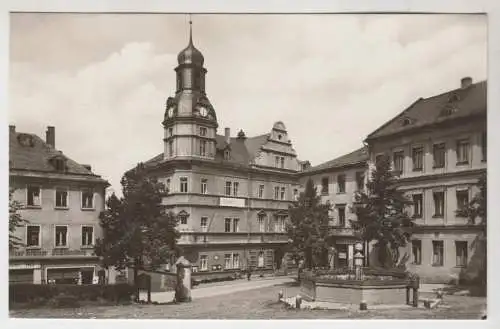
<point>55,271</point>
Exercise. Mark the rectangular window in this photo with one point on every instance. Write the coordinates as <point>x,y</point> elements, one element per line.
<point>236,261</point>
<point>170,148</point>
<point>282,162</point>
<point>184,184</point>
<point>203,131</point>
<point>261,191</point>
<point>33,236</point>
<point>167,185</point>
<point>439,155</point>
<point>437,253</point>
<point>228,188</point>
<point>295,194</point>
<point>183,219</point>
<point>461,250</point>
<point>204,224</point>
<point>416,248</point>
<point>261,220</point>
<point>34,196</point>
<point>203,186</point>
<point>484,147</point>
<point>236,185</point>
<point>227,155</point>
<point>283,193</point>
<point>324,185</point>
<point>87,236</point>
<point>463,151</point>
<point>417,205</point>
<point>341,212</point>
<point>418,158</point>
<point>61,236</point>
<point>228,263</point>
<point>282,224</point>
<point>87,199</point>
<point>203,148</point>
<point>360,180</point>
<point>236,226</point>
<point>203,263</point>
<point>170,132</point>
<point>277,161</point>
<point>438,204</point>
<point>260,259</point>
<point>227,225</point>
<point>341,184</point>
<point>276,192</point>
<point>462,199</point>
<point>61,198</point>
<point>399,158</point>
<point>276,225</point>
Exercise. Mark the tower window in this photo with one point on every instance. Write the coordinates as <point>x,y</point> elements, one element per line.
<point>203,148</point>
<point>170,148</point>
<point>203,131</point>
<point>184,184</point>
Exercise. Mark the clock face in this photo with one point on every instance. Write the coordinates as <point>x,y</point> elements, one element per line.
<point>170,112</point>
<point>203,112</point>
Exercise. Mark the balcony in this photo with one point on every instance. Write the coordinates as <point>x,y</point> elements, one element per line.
<point>341,231</point>
<point>203,238</point>
<point>56,252</point>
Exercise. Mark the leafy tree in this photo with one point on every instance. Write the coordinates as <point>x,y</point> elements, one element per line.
<point>137,232</point>
<point>476,212</point>
<point>381,215</point>
<point>15,221</point>
<point>308,228</point>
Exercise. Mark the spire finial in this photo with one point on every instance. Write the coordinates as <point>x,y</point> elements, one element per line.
<point>190,30</point>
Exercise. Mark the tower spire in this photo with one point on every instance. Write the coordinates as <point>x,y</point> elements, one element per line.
<point>190,30</point>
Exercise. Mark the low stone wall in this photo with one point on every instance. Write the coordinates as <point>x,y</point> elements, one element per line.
<point>354,292</point>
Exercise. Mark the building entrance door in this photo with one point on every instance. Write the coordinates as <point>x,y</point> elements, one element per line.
<point>341,256</point>
<point>87,275</point>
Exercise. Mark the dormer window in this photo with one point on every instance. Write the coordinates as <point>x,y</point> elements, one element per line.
<point>448,111</point>
<point>406,122</point>
<point>59,164</point>
<point>26,140</point>
<point>454,98</point>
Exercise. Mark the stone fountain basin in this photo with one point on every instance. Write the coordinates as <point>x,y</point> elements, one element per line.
<point>372,292</point>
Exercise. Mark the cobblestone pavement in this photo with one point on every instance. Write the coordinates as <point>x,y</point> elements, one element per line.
<point>258,303</point>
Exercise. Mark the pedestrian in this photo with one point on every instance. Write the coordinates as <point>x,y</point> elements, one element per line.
<point>249,274</point>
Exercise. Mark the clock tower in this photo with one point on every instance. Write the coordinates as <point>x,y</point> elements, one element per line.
<point>190,122</point>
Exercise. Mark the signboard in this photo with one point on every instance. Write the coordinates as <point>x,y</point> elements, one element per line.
<point>23,266</point>
<point>232,202</point>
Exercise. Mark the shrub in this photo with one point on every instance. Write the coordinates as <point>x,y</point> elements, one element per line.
<point>64,301</point>
<point>37,293</point>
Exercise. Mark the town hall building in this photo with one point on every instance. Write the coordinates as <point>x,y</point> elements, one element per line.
<point>230,193</point>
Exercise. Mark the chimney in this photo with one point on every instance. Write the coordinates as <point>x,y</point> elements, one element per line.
<point>466,82</point>
<point>50,136</point>
<point>227,134</point>
<point>12,128</point>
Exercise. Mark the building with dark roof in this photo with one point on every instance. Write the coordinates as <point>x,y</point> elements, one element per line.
<point>336,181</point>
<point>438,147</point>
<point>61,200</point>
<point>230,192</point>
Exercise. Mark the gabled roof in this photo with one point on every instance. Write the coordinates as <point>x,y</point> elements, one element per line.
<point>242,150</point>
<point>353,158</point>
<point>30,152</point>
<point>457,103</point>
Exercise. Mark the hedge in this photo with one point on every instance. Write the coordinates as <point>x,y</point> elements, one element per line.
<point>41,293</point>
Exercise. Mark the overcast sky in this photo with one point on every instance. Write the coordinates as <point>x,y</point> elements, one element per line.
<point>102,80</point>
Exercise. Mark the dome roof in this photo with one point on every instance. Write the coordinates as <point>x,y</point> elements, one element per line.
<point>190,55</point>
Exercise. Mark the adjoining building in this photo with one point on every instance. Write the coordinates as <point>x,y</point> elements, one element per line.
<point>61,200</point>
<point>337,181</point>
<point>230,193</point>
<point>438,148</point>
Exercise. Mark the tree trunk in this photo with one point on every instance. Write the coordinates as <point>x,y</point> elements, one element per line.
<point>136,284</point>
